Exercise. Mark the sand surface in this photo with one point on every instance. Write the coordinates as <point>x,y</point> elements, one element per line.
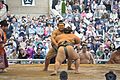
<point>34,72</point>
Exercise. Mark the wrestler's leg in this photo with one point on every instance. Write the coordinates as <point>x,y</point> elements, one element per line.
<point>50,55</point>
<point>74,56</point>
<point>3,70</point>
<point>77,63</point>
<point>70,64</point>
<point>59,59</point>
<point>56,67</point>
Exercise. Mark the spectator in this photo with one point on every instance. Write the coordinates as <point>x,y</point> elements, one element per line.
<point>5,6</point>
<point>93,6</point>
<point>107,53</point>
<point>54,2</point>
<point>30,51</point>
<point>22,55</point>
<point>63,75</point>
<point>32,31</point>
<point>110,76</point>
<point>39,54</point>
<point>94,45</point>
<point>100,52</point>
<point>85,56</point>
<point>13,55</point>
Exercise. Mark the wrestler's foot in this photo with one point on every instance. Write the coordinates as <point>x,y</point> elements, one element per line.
<point>54,73</point>
<point>70,69</point>
<point>3,70</point>
<point>77,72</point>
<point>45,69</point>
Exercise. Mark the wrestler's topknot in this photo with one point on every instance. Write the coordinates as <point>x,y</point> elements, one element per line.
<point>60,23</point>
<point>67,30</point>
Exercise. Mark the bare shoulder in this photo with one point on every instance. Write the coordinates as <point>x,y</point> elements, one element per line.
<point>114,53</point>
<point>90,54</point>
<point>55,31</point>
<point>73,35</point>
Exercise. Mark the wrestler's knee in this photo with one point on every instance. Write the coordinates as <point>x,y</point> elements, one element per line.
<point>50,56</point>
<point>78,59</point>
<point>58,62</point>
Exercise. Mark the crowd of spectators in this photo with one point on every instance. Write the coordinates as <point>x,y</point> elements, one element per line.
<point>96,22</point>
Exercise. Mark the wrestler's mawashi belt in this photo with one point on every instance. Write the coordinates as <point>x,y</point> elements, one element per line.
<point>64,44</point>
<point>55,48</point>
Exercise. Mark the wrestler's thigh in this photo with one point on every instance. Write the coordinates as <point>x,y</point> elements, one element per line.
<point>60,55</point>
<point>51,53</point>
<point>72,54</point>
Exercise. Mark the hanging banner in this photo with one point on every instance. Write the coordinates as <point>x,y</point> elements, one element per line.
<point>28,2</point>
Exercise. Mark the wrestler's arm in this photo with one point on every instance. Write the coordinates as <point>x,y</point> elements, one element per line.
<point>92,60</point>
<point>53,39</point>
<point>79,55</point>
<point>77,39</point>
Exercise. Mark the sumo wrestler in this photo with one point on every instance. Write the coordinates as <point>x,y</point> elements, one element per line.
<point>66,49</point>
<point>53,51</point>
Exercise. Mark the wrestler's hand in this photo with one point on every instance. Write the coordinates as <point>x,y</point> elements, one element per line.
<point>56,45</point>
<point>1,43</point>
<point>72,41</point>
